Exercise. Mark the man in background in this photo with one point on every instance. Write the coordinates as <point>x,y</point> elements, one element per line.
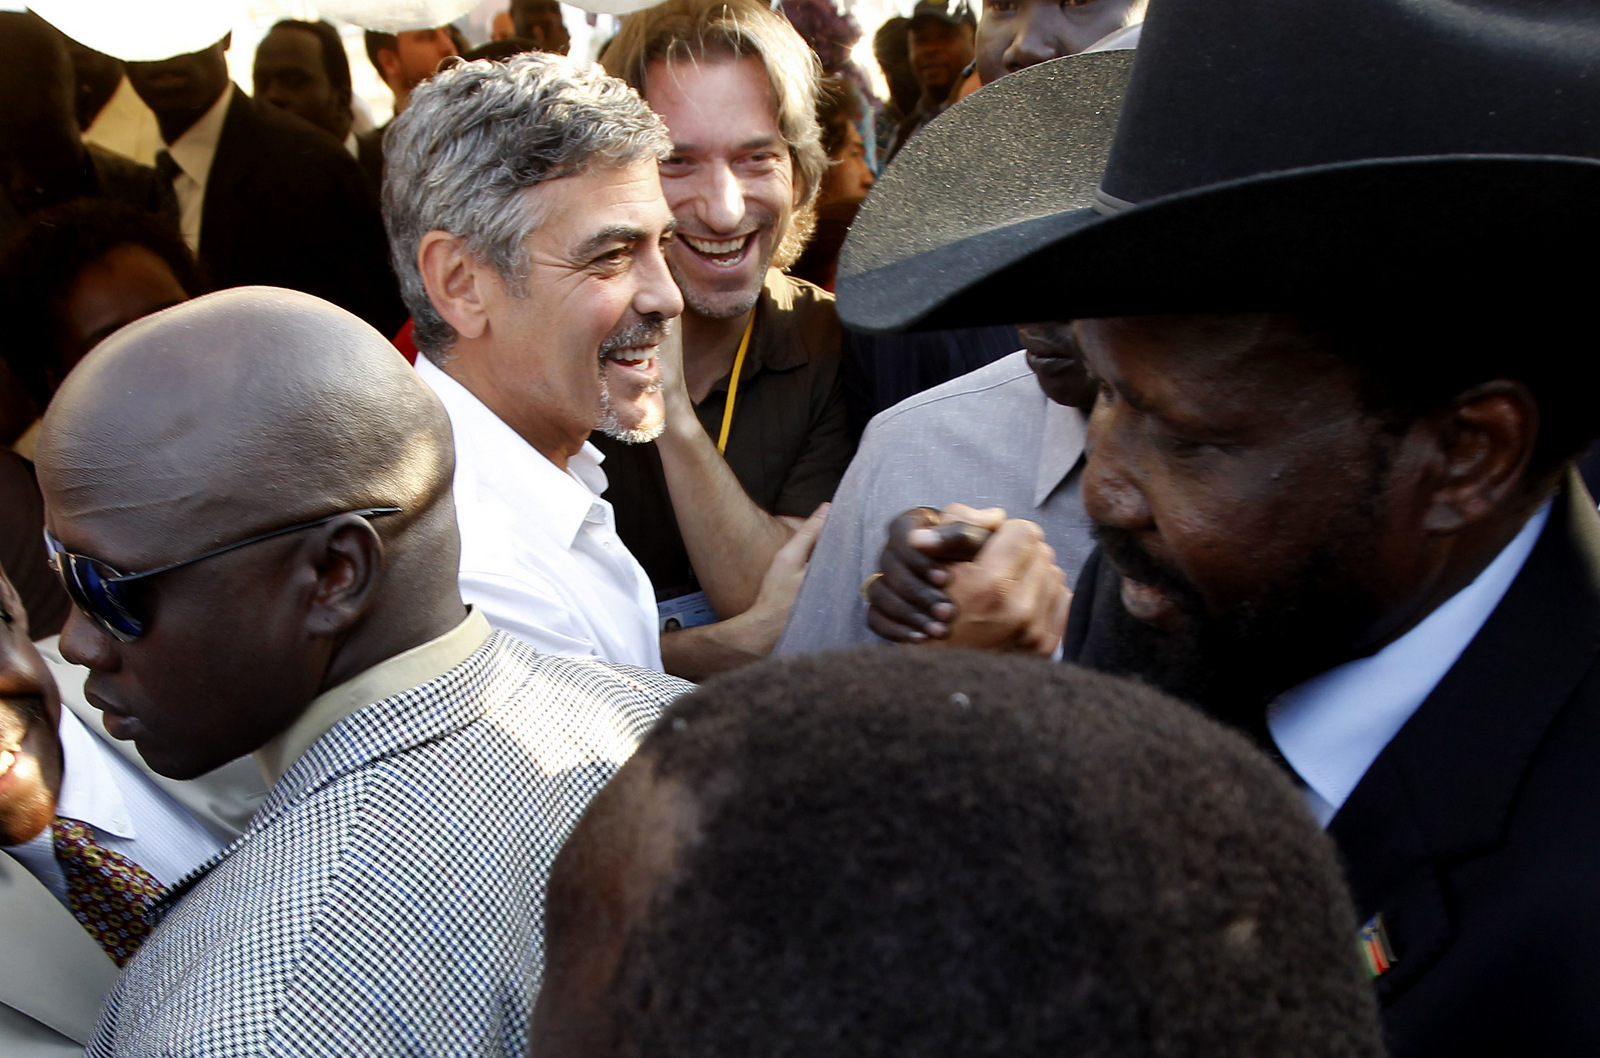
<point>263,198</point>
<point>301,67</point>
<point>939,42</point>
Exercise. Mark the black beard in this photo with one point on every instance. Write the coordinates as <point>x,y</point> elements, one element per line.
<point>1233,664</point>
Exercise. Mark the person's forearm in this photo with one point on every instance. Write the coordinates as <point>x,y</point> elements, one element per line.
<point>730,541</point>
<point>700,653</point>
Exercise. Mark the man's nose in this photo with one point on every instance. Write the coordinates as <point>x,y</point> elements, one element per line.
<point>657,293</point>
<point>1038,40</point>
<point>85,643</point>
<point>722,199</point>
<point>1112,486</point>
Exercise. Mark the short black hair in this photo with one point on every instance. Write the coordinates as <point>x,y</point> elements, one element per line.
<point>335,63</point>
<point>53,248</point>
<point>926,853</point>
<point>377,42</point>
<point>1416,359</point>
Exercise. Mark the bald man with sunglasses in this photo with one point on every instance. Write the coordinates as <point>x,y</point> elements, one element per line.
<point>263,561</point>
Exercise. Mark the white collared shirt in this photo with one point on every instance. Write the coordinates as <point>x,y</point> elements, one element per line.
<point>194,152</point>
<point>540,554</point>
<point>1333,726</point>
<point>125,811</point>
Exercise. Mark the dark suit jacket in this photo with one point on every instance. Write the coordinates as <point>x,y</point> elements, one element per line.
<point>1476,832</point>
<point>286,206</point>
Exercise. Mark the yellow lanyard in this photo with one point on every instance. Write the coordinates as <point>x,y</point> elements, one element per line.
<point>733,385</point>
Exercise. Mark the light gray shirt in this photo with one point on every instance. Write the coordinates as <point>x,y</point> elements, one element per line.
<point>990,438</point>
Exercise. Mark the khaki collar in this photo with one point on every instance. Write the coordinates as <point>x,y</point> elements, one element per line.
<point>383,680</point>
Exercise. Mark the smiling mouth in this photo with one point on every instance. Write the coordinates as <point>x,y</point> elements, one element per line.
<point>723,253</point>
<point>634,356</point>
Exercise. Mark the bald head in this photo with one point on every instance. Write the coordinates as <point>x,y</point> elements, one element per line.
<point>210,424</point>
<point>247,407</point>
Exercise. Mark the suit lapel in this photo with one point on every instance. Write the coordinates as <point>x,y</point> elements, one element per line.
<point>225,179</point>
<point>54,971</point>
<point>1443,789</point>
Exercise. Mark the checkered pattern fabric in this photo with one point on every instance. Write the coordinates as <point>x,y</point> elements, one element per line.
<point>107,892</point>
<point>388,897</point>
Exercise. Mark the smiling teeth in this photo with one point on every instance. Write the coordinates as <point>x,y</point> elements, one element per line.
<point>7,758</point>
<point>706,246</point>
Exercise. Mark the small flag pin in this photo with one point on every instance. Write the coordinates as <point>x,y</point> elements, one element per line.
<point>1376,950</point>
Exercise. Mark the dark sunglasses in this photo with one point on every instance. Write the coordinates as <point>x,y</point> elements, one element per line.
<point>97,589</point>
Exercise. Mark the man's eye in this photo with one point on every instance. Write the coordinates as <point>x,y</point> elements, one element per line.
<point>1001,7</point>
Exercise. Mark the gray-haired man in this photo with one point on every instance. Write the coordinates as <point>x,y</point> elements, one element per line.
<point>527,224</point>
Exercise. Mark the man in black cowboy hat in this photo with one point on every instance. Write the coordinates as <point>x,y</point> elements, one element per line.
<point>1326,284</point>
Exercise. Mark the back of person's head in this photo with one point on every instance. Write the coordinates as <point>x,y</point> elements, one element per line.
<point>920,854</point>
<point>478,135</point>
<point>38,275</point>
<point>697,31</point>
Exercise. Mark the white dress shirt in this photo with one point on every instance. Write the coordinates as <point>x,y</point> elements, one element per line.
<point>1333,726</point>
<point>194,152</point>
<point>540,555</point>
<point>126,812</point>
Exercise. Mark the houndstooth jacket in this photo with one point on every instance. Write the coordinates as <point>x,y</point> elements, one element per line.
<point>388,897</point>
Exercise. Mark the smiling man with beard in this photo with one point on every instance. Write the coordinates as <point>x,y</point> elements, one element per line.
<point>528,228</point>
<point>757,432</point>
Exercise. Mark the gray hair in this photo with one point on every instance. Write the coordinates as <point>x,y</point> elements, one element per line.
<point>475,137</point>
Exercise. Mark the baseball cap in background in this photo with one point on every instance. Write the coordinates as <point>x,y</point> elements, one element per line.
<point>953,12</point>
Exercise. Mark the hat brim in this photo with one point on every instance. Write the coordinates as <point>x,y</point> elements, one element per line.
<point>1447,231</point>
<point>996,177</point>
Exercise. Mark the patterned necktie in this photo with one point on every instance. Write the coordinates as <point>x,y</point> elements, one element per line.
<point>107,892</point>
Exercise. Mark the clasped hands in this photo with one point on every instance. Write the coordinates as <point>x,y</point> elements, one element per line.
<point>972,578</point>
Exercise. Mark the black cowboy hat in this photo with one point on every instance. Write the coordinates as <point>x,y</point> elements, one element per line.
<point>1271,154</point>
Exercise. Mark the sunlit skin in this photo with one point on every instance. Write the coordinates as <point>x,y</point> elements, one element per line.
<point>1015,34</point>
<point>596,272</point>
<point>290,75</point>
<point>108,294</point>
<point>729,180</point>
<point>30,708</point>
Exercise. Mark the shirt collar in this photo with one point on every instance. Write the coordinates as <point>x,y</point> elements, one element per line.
<point>1062,449</point>
<point>383,680</point>
<point>196,149</point>
<point>1333,726</point>
<point>521,472</point>
<point>89,790</point>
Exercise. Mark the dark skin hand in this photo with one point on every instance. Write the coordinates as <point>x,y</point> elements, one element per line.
<point>909,603</point>
<point>997,573</point>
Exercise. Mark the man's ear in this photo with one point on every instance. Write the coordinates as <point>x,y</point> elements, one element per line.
<point>349,561</point>
<point>456,282</point>
<point>1484,442</point>
<point>389,63</point>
